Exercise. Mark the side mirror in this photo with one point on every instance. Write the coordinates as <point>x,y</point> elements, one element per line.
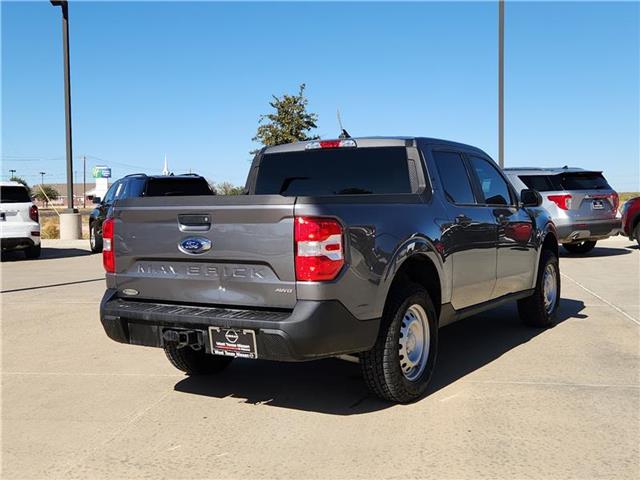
<point>97,200</point>
<point>530,198</point>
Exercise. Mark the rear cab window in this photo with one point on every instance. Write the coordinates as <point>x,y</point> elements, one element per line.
<point>339,171</point>
<point>14,194</point>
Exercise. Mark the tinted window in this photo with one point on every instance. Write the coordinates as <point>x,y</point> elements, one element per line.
<point>340,171</point>
<point>541,183</point>
<point>177,186</point>
<point>108,197</point>
<point>455,180</point>
<point>134,187</point>
<point>583,181</point>
<point>14,195</point>
<point>494,187</point>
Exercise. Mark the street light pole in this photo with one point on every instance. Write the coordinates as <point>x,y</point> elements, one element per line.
<point>42,174</point>
<point>64,5</point>
<point>13,172</point>
<point>501,83</point>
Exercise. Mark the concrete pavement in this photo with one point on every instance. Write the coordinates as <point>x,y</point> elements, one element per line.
<point>506,401</point>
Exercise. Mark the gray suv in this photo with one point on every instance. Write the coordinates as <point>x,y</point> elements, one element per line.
<point>581,203</point>
<point>360,246</point>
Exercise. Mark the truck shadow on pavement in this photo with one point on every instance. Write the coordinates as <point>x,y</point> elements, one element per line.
<point>335,387</point>
<point>596,252</point>
<point>47,253</point>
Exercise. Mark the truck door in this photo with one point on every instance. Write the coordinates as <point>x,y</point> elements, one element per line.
<point>516,253</point>
<point>471,237</point>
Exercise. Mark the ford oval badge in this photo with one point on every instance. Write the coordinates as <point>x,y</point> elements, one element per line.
<point>194,245</point>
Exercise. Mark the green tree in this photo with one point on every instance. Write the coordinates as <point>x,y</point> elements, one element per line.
<point>291,122</point>
<point>51,192</point>
<point>21,181</point>
<point>228,188</point>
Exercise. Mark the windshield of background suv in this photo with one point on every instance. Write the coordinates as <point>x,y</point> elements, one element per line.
<point>177,186</point>
<point>339,171</point>
<point>14,195</point>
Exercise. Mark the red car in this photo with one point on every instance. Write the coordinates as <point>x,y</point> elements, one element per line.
<point>631,219</point>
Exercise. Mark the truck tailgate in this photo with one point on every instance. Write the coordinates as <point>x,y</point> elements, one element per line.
<point>249,263</point>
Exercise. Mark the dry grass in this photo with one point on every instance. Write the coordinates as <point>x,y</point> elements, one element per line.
<point>50,228</point>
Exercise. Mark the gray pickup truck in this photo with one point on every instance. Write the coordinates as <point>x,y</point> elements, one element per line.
<point>361,246</point>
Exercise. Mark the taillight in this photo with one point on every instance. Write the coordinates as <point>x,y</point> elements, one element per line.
<point>562,201</point>
<point>33,213</point>
<point>319,248</point>
<point>615,200</point>
<point>108,253</point>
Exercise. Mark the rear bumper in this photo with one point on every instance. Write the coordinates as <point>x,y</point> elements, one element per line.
<point>588,230</point>
<point>19,234</point>
<point>313,329</point>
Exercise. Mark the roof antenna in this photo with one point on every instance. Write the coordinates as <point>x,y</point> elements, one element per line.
<point>343,133</point>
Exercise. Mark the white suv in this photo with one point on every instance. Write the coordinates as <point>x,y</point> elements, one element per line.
<point>19,225</point>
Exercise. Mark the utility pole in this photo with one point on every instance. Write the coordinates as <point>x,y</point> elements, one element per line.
<point>501,83</point>
<point>67,98</point>
<point>13,172</point>
<point>42,174</point>
<point>84,181</point>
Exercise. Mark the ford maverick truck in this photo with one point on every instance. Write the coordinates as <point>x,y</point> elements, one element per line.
<point>361,246</point>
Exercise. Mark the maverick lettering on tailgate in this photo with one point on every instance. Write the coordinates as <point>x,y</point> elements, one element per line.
<point>201,270</point>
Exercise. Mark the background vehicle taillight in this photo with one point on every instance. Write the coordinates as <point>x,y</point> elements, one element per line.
<point>615,200</point>
<point>562,201</point>
<point>319,248</point>
<point>33,213</point>
<point>108,253</point>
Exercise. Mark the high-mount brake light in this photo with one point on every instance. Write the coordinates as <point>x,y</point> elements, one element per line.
<point>319,249</point>
<point>108,248</point>
<point>346,143</point>
<point>562,201</point>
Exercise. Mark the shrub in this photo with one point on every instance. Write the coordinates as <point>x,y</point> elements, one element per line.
<point>50,229</point>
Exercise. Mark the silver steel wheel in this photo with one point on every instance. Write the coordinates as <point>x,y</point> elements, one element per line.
<point>415,339</point>
<point>550,288</point>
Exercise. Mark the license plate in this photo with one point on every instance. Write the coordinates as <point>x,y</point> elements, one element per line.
<point>233,342</point>
<point>597,205</point>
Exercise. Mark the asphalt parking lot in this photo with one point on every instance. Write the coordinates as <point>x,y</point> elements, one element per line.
<point>506,402</point>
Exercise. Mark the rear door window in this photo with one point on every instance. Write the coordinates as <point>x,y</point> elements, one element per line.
<point>10,194</point>
<point>339,171</point>
<point>494,187</point>
<point>454,177</point>
<point>541,183</point>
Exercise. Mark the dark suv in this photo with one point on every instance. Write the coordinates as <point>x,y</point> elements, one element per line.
<point>141,185</point>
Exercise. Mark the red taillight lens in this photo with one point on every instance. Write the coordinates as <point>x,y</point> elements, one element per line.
<point>108,253</point>
<point>33,213</point>
<point>319,248</point>
<point>563,201</point>
<point>615,200</point>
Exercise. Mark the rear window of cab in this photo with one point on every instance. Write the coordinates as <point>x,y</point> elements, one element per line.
<point>339,171</point>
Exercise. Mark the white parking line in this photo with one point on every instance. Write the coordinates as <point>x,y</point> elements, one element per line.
<point>615,307</point>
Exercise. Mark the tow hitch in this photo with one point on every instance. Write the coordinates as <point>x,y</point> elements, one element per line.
<point>183,338</point>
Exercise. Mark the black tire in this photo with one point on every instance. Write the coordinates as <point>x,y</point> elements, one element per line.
<point>636,233</point>
<point>33,252</point>
<point>580,247</point>
<point>195,362</point>
<point>533,310</point>
<point>381,366</point>
<point>95,239</point>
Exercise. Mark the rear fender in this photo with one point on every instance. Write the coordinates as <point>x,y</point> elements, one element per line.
<point>421,246</point>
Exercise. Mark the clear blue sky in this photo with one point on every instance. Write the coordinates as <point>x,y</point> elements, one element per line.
<point>190,80</point>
